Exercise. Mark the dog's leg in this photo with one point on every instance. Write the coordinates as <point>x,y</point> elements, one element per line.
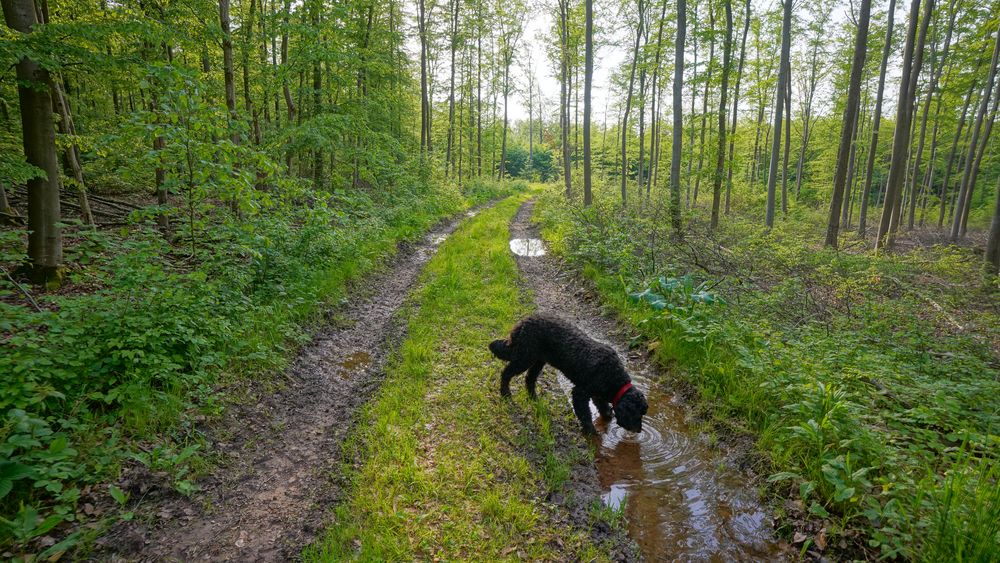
<point>532,378</point>
<point>581,406</point>
<point>513,368</point>
<point>604,408</point>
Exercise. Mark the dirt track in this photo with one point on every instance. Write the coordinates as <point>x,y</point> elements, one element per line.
<point>280,469</point>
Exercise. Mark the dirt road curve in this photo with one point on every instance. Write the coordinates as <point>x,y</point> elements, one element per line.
<point>281,463</point>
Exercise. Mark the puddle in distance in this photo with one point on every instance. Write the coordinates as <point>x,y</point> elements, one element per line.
<point>529,247</point>
<point>681,502</point>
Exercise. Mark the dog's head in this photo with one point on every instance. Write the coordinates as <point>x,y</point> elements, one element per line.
<point>630,409</point>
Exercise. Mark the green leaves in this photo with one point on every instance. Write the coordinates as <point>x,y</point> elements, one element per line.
<point>9,472</point>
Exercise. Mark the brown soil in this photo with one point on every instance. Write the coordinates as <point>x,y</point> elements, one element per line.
<point>280,468</point>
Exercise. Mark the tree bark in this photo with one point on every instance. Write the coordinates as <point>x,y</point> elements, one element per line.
<point>678,118</point>
<point>779,106</point>
<point>876,125</point>
<point>72,154</point>
<point>588,80</point>
<point>850,119</point>
<point>727,49</point>
<point>912,60</point>
<point>964,187</point>
<point>704,103</point>
<point>628,105</point>
<point>38,135</point>
<point>736,104</point>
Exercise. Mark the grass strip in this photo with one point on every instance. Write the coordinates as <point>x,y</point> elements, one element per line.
<point>442,470</point>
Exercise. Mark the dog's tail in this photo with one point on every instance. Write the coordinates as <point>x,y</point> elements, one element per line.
<point>501,349</point>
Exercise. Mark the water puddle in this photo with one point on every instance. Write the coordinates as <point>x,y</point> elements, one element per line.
<point>356,361</point>
<point>529,247</point>
<point>681,502</point>
<point>439,239</point>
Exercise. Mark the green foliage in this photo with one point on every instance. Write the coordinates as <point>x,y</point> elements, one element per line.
<point>144,350</point>
<point>877,412</point>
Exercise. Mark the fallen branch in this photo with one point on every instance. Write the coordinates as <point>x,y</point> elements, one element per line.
<point>26,293</point>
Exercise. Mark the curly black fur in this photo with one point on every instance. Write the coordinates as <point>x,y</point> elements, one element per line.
<point>594,368</point>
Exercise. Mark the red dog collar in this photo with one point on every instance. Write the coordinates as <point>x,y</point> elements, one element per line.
<point>618,395</point>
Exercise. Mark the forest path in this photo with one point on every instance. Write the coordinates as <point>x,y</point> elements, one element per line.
<point>281,457</point>
<point>684,499</point>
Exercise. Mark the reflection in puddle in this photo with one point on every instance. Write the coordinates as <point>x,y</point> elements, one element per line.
<point>527,247</point>
<point>356,361</point>
<point>680,505</point>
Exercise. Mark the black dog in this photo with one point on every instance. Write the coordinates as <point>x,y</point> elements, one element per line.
<point>594,368</point>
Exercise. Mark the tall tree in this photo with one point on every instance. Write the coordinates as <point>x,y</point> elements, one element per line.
<point>912,59</point>
<point>628,102</point>
<point>678,117</point>
<point>38,135</point>
<point>876,124</point>
<point>850,121</point>
<point>588,80</point>
<point>968,176</point>
<point>721,153</point>
<point>736,103</point>
<point>779,106</point>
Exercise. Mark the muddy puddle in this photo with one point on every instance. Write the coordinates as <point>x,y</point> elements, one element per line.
<point>529,247</point>
<point>354,362</point>
<point>681,501</point>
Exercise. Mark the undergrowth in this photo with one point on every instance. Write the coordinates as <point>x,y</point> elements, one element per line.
<point>440,468</point>
<point>121,367</point>
<point>871,381</point>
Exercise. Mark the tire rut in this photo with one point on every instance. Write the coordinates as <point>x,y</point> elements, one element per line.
<point>282,455</point>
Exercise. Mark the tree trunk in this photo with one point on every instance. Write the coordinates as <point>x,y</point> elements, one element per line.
<point>564,92</point>
<point>779,103</point>
<point>588,80</point>
<point>655,111</point>
<point>977,165</point>
<point>425,137</point>
<point>449,161</point>
<point>850,119</point>
<point>678,118</point>
<point>628,105</point>
<point>736,104</point>
<point>992,254</point>
<point>788,140</point>
<point>912,59</point>
<point>72,154</point>
<point>228,73</point>
<point>38,135</point>
<point>727,48</point>
<point>876,125</point>
<point>704,102</point>
<point>964,187</point>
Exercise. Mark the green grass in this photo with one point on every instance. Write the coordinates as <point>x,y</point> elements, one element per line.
<point>878,415</point>
<point>442,470</point>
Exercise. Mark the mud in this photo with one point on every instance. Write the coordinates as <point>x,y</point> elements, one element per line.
<point>684,500</point>
<point>280,455</point>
